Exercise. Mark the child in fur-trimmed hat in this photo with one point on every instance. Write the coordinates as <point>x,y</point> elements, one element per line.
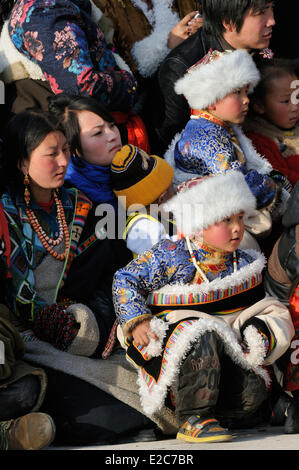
<point>195,317</point>
<point>142,183</point>
<point>213,142</point>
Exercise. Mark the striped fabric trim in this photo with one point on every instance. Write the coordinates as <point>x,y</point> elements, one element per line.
<point>148,379</point>
<point>162,299</point>
<point>83,207</point>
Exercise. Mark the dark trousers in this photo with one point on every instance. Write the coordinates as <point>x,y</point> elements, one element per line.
<point>211,384</point>
<point>84,414</point>
<point>18,398</point>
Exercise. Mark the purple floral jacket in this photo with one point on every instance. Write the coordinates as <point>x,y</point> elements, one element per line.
<point>70,49</point>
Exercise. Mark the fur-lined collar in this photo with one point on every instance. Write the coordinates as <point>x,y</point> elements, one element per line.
<point>251,269</point>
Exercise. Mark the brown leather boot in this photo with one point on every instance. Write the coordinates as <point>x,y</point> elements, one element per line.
<point>30,432</point>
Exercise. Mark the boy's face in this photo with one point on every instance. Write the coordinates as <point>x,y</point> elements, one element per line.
<point>277,106</point>
<point>227,234</point>
<point>233,107</point>
<point>256,31</point>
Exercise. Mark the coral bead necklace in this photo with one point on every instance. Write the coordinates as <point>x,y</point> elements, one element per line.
<point>47,242</point>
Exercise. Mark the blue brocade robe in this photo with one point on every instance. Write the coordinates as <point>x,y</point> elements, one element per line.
<point>206,148</point>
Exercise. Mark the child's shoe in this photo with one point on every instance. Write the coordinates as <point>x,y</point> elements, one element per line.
<point>197,429</point>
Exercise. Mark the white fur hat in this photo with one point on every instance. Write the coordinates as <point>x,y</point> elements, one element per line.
<point>202,202</point>
<point>216,75</point>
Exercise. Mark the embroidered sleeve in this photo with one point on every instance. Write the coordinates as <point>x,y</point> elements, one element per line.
<point>132,284</point>
<point>205,151</point>
<point>71,52</point>
<point>262,187</point>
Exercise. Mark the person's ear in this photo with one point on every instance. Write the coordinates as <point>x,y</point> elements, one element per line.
<point>229,27</point>
<point>23,166</point>
<point>211,107</point>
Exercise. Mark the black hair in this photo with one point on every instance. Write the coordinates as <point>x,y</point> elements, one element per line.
<point>230,11</point>
<point>65,108</point>
<point>22,134</point>
<point>271,69</point>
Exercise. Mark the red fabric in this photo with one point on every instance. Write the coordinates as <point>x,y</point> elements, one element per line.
<point>55,325</point>
<point>294,308</point>
<point>4,237</point>
<point>292,371</point>
<point>137,134</point>
<point>268,148</point>
<point>47,206</point>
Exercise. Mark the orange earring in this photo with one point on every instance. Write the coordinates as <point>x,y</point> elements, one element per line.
<point>26,191</point>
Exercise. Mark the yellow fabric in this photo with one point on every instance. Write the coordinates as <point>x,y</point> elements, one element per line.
<point>147,190</point>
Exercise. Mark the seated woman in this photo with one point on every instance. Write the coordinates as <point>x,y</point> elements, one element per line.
<point>61,275</point>
<point>94,139</point>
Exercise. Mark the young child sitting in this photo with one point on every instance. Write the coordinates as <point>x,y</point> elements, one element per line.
<point>194,313</point>
<point>212,142</point>
<point>273,121</point>
<point>139,179</point>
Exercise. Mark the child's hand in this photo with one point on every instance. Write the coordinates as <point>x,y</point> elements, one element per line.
<point>141,333</point>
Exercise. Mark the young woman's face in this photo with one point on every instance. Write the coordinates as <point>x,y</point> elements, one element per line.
<point>47,165</point>
<point>256,30</point>
<point>277,106</point>
<point>100,140</point>
<point>233,107</point>
<point>225,235</point>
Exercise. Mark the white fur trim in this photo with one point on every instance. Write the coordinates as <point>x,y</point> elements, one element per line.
<point>96,13</point>
<point>256,345</point>
<point>150,51</point>
<point>154,348</point>
<point>121,63</point>
<point>215,198</point>
<point>235,279</point>
<point>152,400</point>
<point>254,161</point>
<point>209,83</point>
<point>179,175</point>
<point>14,65</point>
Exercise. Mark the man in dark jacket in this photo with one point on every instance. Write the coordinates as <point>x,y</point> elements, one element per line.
<point>227,25</point>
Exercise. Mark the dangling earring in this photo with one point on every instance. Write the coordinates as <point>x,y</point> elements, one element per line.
<point>26,192</point>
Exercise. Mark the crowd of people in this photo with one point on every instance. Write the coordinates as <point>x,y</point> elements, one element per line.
<point>148,221</point>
